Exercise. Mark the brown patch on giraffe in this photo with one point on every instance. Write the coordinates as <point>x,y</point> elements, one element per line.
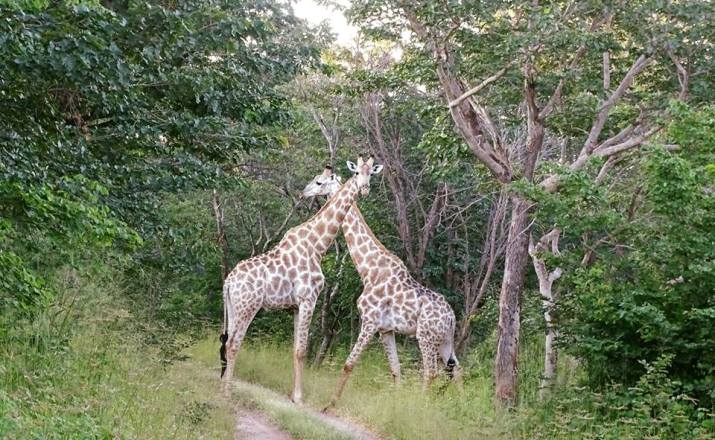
<point>320,229</point>
<point>350,240</point>
<point>325,242</point>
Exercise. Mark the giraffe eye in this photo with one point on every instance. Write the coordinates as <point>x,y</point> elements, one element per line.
<point>318,183</point>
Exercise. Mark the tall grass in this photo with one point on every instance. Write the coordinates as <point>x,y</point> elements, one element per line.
<point>86,368</point>
<point>404,412</point>
<point>82,369</point>
<point>653,410</point>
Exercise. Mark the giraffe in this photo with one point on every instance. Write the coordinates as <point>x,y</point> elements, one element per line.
<point>289,275</point>
<point>392,301</point>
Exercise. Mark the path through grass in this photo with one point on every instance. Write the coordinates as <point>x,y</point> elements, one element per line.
<point>371,400</point>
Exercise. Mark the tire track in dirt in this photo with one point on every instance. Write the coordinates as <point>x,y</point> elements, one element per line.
<point>254,425</point>
<point>254,419</point>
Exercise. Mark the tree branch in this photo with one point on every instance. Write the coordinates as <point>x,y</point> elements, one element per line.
<point>626,145</point>
<point>603,112</point>
<point>479,87</point>
<point>683,77</point>
<point>551,183</point>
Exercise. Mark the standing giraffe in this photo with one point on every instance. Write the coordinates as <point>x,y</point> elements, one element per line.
<point>289,275</point>
<point>392,302</point>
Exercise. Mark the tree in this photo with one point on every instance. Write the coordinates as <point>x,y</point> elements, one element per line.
<point>131,104</point>
<point>642,288</point>
<point>544,76</point>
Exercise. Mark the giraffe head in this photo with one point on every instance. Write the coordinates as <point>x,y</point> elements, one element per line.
<point>363,171</point>
<point>324,184</point>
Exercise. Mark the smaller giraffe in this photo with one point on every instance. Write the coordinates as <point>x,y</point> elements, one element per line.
<point>393,302</point>
<point>289,275</point>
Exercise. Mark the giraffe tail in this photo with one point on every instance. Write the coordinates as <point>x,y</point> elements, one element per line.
<point>451,364</point>
<point>223,337</point>
<point>449,357</point>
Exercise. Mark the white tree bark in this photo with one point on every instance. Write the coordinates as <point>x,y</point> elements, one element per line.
<point>548,300</point>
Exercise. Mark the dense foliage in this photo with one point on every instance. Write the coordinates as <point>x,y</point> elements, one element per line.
<point>146,147</point>
<point>649,296</point>
<point>132,104</point>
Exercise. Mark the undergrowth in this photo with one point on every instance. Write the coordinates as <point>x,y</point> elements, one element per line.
<point>651,410</point>
<point>87,367</point>
<point>83,369</point>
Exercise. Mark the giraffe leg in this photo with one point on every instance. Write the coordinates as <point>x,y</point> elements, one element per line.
<point>366,333</point>
<point>236,332</point>
<point>388,340</point>
<point>429,362</point>
<point>301,326</point>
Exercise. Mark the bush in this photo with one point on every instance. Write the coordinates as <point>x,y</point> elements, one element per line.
<point>652,409</point>
<point>648,294</point>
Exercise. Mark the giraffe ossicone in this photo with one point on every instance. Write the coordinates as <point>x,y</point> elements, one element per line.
<point>392,301</point>
<point>289,275</point>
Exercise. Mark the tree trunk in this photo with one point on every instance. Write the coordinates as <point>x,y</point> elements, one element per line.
<point>221,234</point>
<point>550,358</point>
<point>476,283</point>
<point>327,328</point>
<point>505,369</point>
<point>464,332</point>
<point>548,299</point>
<point>324,346</point>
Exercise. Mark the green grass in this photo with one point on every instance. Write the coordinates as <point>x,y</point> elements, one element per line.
<point>86,368</point>
<point>289,417</point>
<point>371,399</point>
<point>445,412</point>
<point>82,370</point>
<point>651,411</point>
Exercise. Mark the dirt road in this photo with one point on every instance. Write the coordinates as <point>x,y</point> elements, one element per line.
<point>260,406</point>
<point>252,424</point>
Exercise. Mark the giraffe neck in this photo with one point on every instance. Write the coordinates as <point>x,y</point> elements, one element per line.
<point>328,220</point>
<point>362,243</point>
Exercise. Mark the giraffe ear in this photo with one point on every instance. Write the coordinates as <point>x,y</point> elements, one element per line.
<point>352,167</point>
<point>376,169</point>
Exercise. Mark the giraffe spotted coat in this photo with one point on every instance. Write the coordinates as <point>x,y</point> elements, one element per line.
<point>288,276</point>
<point>392,301</point>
